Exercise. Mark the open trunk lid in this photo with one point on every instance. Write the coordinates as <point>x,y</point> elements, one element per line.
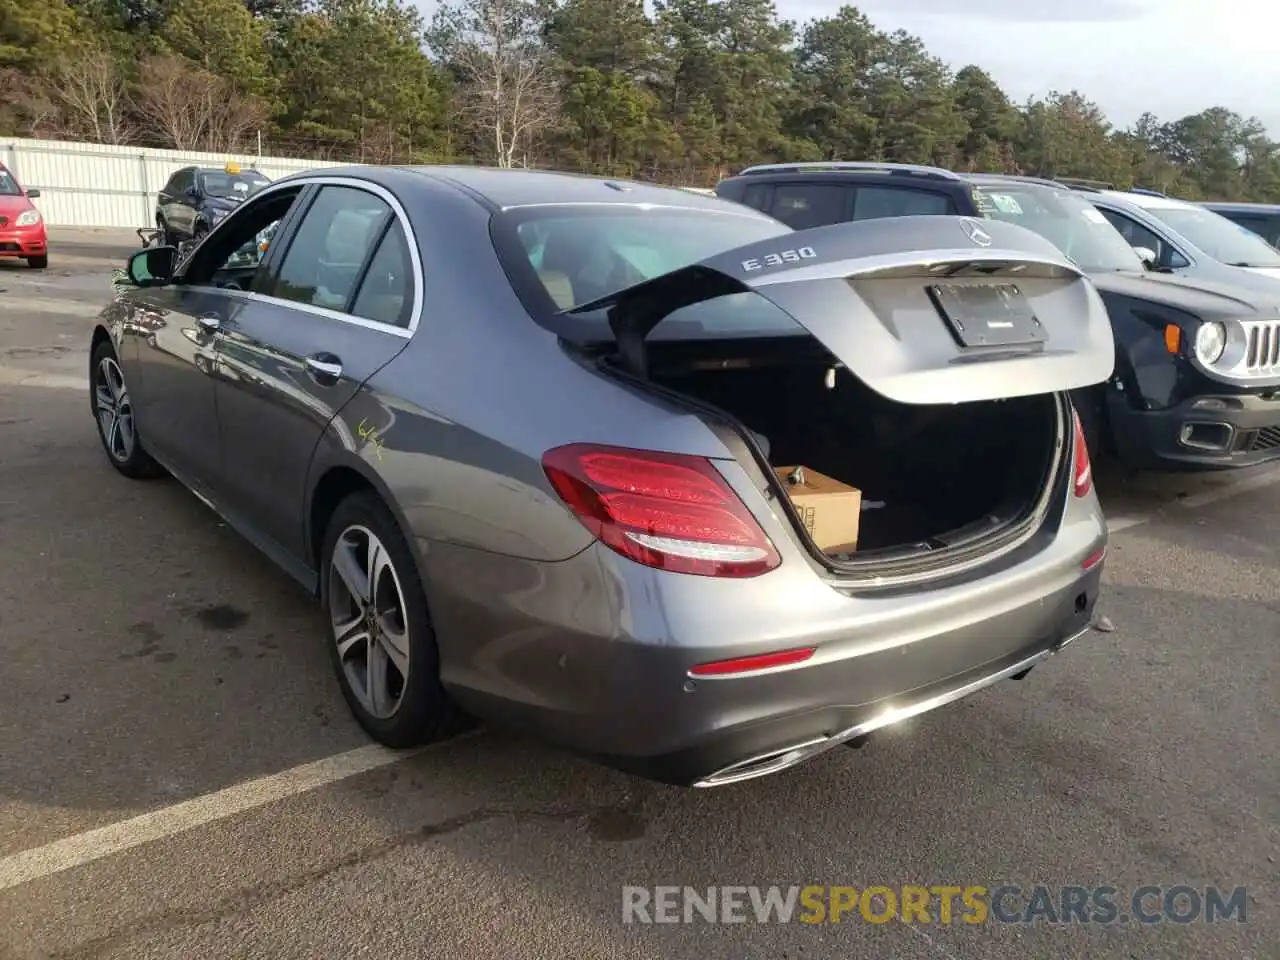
<point>921,309</point>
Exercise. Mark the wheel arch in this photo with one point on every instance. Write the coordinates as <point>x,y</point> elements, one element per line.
<point>100,335</point>
<point>332,482</point>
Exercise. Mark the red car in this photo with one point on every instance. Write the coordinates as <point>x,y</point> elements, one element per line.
<point>22,232</point>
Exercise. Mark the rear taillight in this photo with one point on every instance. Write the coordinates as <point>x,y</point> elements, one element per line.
<point>665,510</point>
<point>1083,477</point>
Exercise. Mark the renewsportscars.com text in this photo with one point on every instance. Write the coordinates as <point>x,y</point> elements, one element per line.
<point>973,904</point>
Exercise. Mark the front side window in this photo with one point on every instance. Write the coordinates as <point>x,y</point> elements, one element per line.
<point>336,236</point>
<point>1136,235</point>
<point>1074,226</point>
<point>1219,237</point>
<point>9,186</point>
<point>234,252</point>
<point>560,257</point>
<point>802,206</point>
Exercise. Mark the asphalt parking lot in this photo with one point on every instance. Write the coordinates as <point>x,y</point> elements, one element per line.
<point>179,777</point>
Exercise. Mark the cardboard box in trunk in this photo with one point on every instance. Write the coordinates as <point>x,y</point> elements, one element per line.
<point>829,509</point>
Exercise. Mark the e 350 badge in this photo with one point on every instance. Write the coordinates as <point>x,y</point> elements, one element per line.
<point>779,258</point>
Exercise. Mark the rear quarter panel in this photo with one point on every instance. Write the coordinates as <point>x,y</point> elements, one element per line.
<point>481,392</point>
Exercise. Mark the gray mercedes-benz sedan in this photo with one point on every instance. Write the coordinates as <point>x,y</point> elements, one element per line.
<point>644,471</point>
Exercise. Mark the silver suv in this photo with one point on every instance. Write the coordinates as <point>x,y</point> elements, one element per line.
<point>1178,237</point>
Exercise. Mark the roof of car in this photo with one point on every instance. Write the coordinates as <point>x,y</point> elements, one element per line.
<point>1238,207</point>
<point>1012,180</point>
<point>1146,200</point>
<point>504,189</point>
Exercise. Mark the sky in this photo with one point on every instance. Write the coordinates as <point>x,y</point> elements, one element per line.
<point>1169,57</point>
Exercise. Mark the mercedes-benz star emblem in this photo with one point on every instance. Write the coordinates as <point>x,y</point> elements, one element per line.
<point>973,230</point>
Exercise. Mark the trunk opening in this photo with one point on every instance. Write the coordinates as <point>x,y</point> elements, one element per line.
<point>936,481</point>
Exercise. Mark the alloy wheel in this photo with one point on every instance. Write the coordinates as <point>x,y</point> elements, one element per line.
<point>114,409</point>
<point>367,615</point>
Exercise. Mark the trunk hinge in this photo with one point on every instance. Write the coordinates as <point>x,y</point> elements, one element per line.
<point>629,337</point>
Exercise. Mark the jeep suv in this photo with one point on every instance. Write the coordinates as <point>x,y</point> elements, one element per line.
<point>1197,376</point>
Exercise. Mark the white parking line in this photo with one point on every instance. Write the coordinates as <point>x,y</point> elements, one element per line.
<point>83,848</point>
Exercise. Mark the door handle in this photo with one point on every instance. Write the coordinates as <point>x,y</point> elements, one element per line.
<point>328,369</point>
<point>210,323</point>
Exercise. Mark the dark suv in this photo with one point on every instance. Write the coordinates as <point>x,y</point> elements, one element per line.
<point>1197,375</point>
<point>196,198</point>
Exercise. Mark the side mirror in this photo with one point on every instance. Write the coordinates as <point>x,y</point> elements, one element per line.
<point>1147,256</point>
<point>152,267</point>
<point>193,193</point>
<point>32,194</point>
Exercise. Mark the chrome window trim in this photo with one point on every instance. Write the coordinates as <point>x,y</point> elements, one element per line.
<point>411,237</point>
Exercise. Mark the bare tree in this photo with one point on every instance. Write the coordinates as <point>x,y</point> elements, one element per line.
<point>90,91</point>
<point>169,100</point>
<point>193,109</point>
<point>509,90</point>
<point>232,117</point>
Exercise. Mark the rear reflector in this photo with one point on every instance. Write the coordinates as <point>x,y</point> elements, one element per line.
<point>763,661</point>
<point>1082,481</point>
<point>1093,559</point>
<point>670,511</point>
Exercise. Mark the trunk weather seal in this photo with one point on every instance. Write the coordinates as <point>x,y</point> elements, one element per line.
<point>946,563</point>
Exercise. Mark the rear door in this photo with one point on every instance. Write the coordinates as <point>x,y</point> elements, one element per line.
<point>335,305</point>
<point>924,309</point>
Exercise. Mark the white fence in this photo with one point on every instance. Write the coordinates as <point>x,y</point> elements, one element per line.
<point>98,185</point>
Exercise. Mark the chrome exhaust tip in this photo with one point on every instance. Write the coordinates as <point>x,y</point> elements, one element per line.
<point>766,763</point>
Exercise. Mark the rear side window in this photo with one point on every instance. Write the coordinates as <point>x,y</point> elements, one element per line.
<point>872,203</point>
<point>757,196</point>
<point>802,206</point>
<point>386,292</point>
<point>322,264</point>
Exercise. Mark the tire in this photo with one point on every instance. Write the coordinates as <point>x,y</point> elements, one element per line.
<point>38,263</point>
<point>415,710</point>
<point>108,397</point>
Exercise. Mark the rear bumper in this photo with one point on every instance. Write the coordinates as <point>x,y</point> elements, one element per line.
<point>23,243</point>
<point>1202,433</point>
<point>595,652</point>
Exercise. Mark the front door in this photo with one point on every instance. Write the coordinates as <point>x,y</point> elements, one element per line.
<point>175,405</point>
<point>177,353</point>
<point>332,308</point>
